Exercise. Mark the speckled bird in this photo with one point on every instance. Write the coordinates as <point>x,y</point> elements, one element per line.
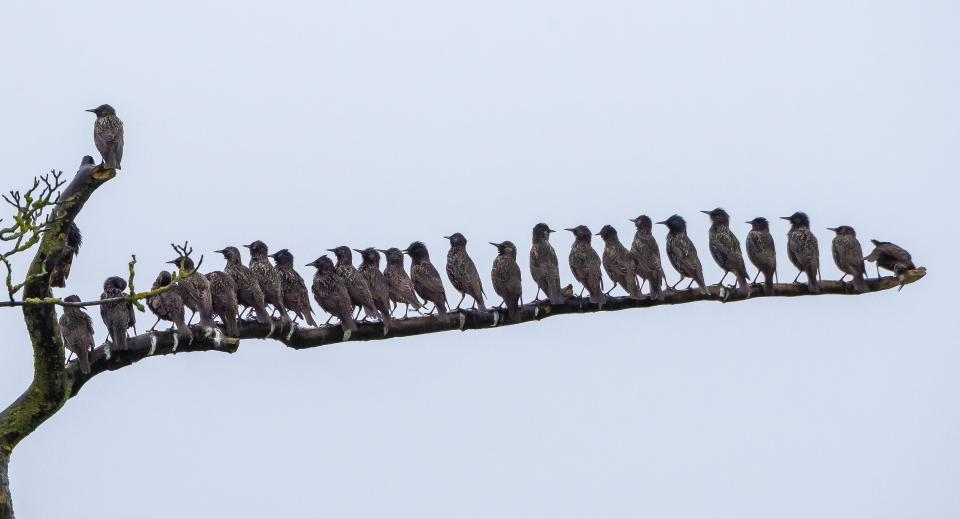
<point>60,269</point>
<point>267,276</point>
<point>398,282</point>
<point>848,255</point>
<point>223,296</point>
<point>891,257</point>
<point>76,328</point>
<point>725,249</point>
<point>108,135</point>
<point>618,262</point>
<point>646,256</point>
<point>294,289</point>
<point>463,273</point>
<point>762,252</point>
<point>507,281</point>
<point>168,305</point>
<point>118,316</point>
<point>544,267</point>
<point>331,293</point>
<point>682,253</point>
<point>357,286</point>
<point>249,293</point>
<point>379,288</point>
<point>194,290</point>
<point>585,264</point>
<point>425,278</point>
<point>803,250</point>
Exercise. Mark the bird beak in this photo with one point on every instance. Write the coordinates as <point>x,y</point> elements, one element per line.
<point>568,229</point>
<point>358,251</point>
<point>662,223</point>
<point>92,110</point>
<point>248,246</point>
<point>634,220</point>
<point>406,251</point>
<point>382,250</point>
<point>446,237</point>
<point>331,250</point>
<point>787,218</point>
<point>834,229</point>
<point>596,234</point>
<point>497,245</point>
<point>751,223</point>
<point>274,255</point>
<point>172,262</point>
<point>311,264</point>
<point>550,230</point>
<point>221,251</point>
<point>705,212</point>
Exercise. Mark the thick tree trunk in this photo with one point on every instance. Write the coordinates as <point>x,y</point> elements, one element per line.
<point>6,505</point>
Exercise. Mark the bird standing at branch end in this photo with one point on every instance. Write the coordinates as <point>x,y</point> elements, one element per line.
<point>108,135</point>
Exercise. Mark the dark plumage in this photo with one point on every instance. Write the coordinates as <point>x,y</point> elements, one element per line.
<point>725,248</point>
<point>682,253</point>
<point>507,282</point>
<point>168,305</point>
<point>331,293</point>
<point>544,267</point>
<point>762,251</point>
<point>585,264</point>
<point>108,135</point>
<point>891,257</point>
<point>60,269</point>
<point>118,315</point>
<point>379,288</point>
<point>646,256</point>
<point>425,278</point>
<point>194,290</point>
<point>76,327</point>
<point>267,276</point>
<point>223,296</point>
<point>293,288</point>
<point>803,250</point>
<point>249,293</point>
<point>618,262</point>
<point>357,286</point>
<point>462,272</point>
<point>400,288</point>
<point>848,255</point>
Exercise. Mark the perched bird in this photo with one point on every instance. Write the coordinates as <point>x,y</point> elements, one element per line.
<point>267,276</point>
<point>293,288</point>
<point>331,293</point>
<point>682,253</point>
<point>803,250</point>
<point>426,280</point>
<point>618,262</point>
<point>379,288</point>
<point>194,290</point>
<point>462,272</point>
<point>118,315</point>
<point>108,135</point>
<point>60,269</point>
<point>168,305</point>
<point>725,248</point>
<point>76,327</point>
<point>357,286</point>
<point>646,256</point>
<point>585,264</point>
<point>544,267</point>
<point>223,297</point>
<point>400,288</point>
<point>848,255</point>
<point>249,293</point>
<point>506,278</point>
<point>891,257</point>
<point>762,252</point>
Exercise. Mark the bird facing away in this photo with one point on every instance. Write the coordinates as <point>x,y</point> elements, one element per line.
<point>168,305</point>
<point>725,248</point>
<point>249,293</point>
<point>618,262</point>
<point>267,276</point>
<point>331,293</point>
<point>76,327</point>
<point>544,267</point>
<point>803,250</point>
<point>293,288</point>
<point>194,290</point>
<point>762,251</point>
<point>398,282</point>
<point>426,280</point>
<point>118,315</point>
<point>357,286</point>
<point>646,256</point>
<point>848,255</point>
<point>379,288</point>
<point>223,296</point>
<point>507,282</point>
<point>462,272</point>
<point>60,269</point>
<point>682,253</point>
<point>108,135</point>
<point>585,264</point>
<point>891,257</point>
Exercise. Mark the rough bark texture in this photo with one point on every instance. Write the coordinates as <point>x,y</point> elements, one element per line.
<point>6,504</point>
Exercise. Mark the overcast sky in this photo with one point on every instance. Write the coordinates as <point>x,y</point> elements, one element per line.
<point>316,124</point>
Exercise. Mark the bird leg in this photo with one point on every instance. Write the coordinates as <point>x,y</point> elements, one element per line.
<point>155,325</point>
<point>674,287</point>
<point>755,278</point>
<point>643,282</point>
<point>536,298</point>
<point>190,321</point>
<point>328,320</point>
<point>463,296</point>
<point>691,284</point>
<point>844,276</point>
<point>720,284</point>
<point>611,288</point>
<point>798,277</point>
<point>581,292</point>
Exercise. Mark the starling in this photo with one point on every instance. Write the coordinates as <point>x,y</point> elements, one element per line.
<point>802,249</point>
<point>60,270</point>
<point>331,293</point>
<point>357,286</point>
<point>618,262</point>
<point>462,272</point>
<point>585,264</point>
<point>682,253</point>
<point>762,252</point>
<point>891,257</point>
<point>506,278</point>
<point>108,135</point>
<point>646,256</point>
<point>426,280</point>
<point>223,297</point>
<point>118,315</point>
<point>848,255</point>
<point>194,290</point>
<point>267,276</point>
<point>168,305</point>
<point>725,248</point>
<point>249,293</point>
<point>292,286</point>
<point>77,330</point>
<point>398,282</point>
<point>544,267</point>
<point>379,288</point>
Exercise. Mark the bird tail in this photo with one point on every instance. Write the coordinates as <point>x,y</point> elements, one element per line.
<point>768,282</point>
<point>230,323</point>
<point>479,299</point>
<point>83,357</point>
<point>441,307</point>
<point>860,284</point>
<point>308,316</point>
<point>111,161</point>
<point>555,295</point>
<point>206,316</point>
<point>58,278</point>
<point>263,316</point>
<point>182,327</point>
<point>633,289</point>
<point>513,310</point>
<point>347,323</point>
<point>813,283</point>
<point>118,332</point>
<point>742,280</point>
<point>598,297</point>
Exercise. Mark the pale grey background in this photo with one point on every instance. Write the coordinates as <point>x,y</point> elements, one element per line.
<point>272,120</point>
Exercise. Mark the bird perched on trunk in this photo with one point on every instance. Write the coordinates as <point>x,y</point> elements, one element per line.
<point>462,272</point>
<point>379,288</point>
<point>249,293</point>
<point>117,315</point>
<point>803,250</point>
<point>426,280</point>
<point>292,286</point>
<point>618,262</point>
<point>400,288</point>
<point>544,267</point>
<point>585,264</point>
<point>646,256</point>
<point>331,293</point>
<point>168,305</point>
<point>108,135</point>
<point>194,290</point>
<point>891,257</point>
<point>60,268</point>
<point>725,248</point>
<point>762,252</point>
<point>76,327</point>
<point>682,253</point>
<point>267,276</point>
<point>223,296</point>
<point>506,278</point>
<point>848,255</point>
<point>357,286</point>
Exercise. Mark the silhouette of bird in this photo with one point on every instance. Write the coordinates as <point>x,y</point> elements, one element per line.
<point>725,248</point>
<point>848,255</point>
<point>507,282</point>
<point>108,135</point>
<point>682,253</point>
<point>60,268</point>
<point>117,315</point>
<point>293,288</point>
<point>891,257</point>
<point>357,286</point>
<point>762,251</point>
<point>462,272</point>
<point>331,293</point>
<point>585,264</point>
<point>803,250</point>
<point>646,256</point>
<point>618,262</point>
<point>194,290</point>
<point>400,288</point>
<point>544,267</point>
<point>267,277</point>
<point>379,287</point>
<point>426,280</point>
<point>76,327</point>
<point>249,293</point>
<point>223,296</point>
<point>168,305</point>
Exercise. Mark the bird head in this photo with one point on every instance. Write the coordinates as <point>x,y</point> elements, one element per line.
<point>581,232</point>
<point>718,215</point>
<point>114,283</point>
<point>322,264</point>
<point>760,224</point>
<point>258,249</point>
<point>393,255</point>
<point>607,232</point>
<point>283,257</point>
<point>342,253</point>
<point>457,240</point>
<point>506,248</point>
<point>799,219</point>
<point>369,256</point>
<point>541,231</point>
<point>675,223</point>
<point>843,230</point>
<point>418,251</point>
<point>164,278</point>
<point>103,110</point>
<point>642,222</point>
